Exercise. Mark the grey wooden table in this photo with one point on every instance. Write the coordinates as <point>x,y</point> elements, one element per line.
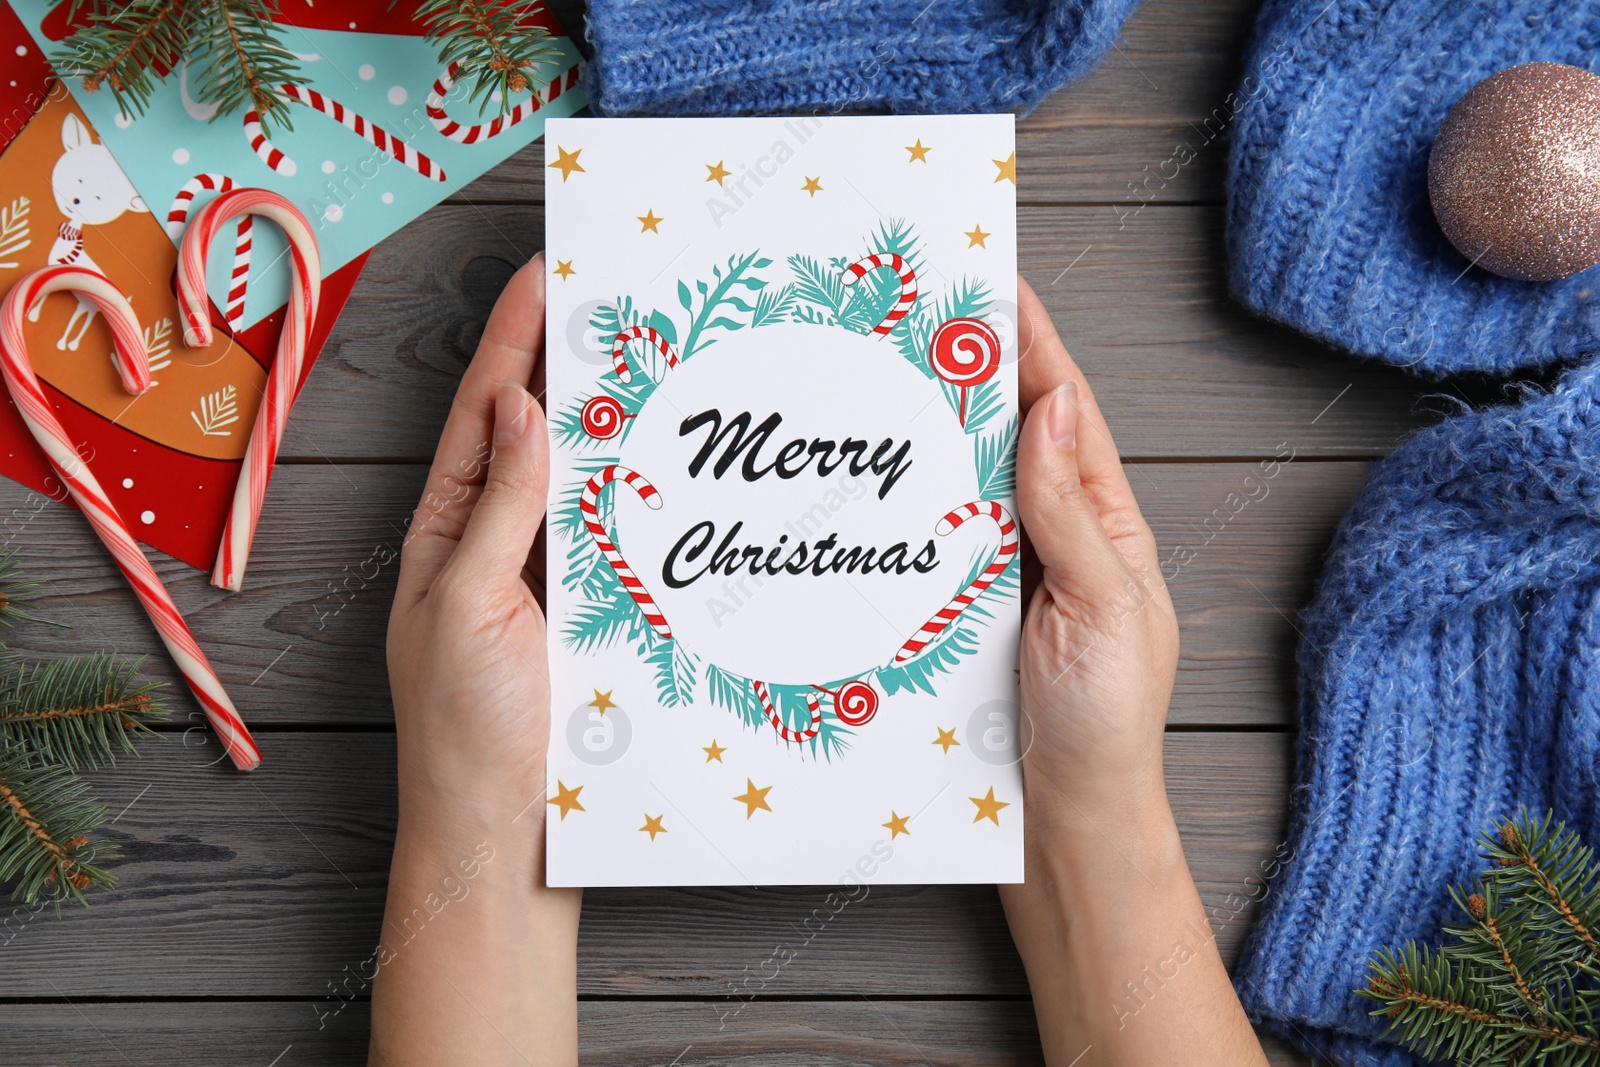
<point>246,905</point>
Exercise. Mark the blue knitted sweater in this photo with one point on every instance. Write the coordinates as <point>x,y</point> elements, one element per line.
<point>761,57</point>
<point>1330,230</point>
<point>1449,674</point>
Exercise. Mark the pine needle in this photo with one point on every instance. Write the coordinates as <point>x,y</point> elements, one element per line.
<point>46,818</point>
<point>15,591</point>
<point>497,43</point>
<point>81,712</point>
<point>1520,983</point>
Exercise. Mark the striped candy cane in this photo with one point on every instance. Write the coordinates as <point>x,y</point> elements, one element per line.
<point>485,130</point>
<point>371,132</point>
<point>178,216</point>
<point>134,369</point>
<point>284,380</point>
<point>589,504</point>
<point>619,349</point>
<point>1002,559</point>
<point>765,696</point>
<point>908,286</point>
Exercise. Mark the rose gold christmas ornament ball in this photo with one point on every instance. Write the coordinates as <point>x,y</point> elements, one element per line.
<point>1514,174</point>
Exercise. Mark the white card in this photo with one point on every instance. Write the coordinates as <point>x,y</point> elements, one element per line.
<point>783,572</point>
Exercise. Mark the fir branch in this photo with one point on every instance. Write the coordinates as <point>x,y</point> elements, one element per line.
<point>498,43</point>
<point>16,591</point>
<point>1517,984</point>
<point>995,457</point>
<point>241,61</point>
<point>81,712</point>
<point>123,45</point>
<point>45,822</point>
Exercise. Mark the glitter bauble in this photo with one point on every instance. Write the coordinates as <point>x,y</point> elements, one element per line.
<point>1514,174</point>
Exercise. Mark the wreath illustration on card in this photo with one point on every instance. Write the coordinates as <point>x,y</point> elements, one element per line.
<point>875,294</point>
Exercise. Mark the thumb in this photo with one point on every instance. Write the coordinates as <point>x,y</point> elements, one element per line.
<point>1062,523</point>
<point>505,520</point>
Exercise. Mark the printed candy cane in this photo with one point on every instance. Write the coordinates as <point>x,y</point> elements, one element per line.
<point>1002,559</point>
<point>371,132</point>
<point>178,216</point>
<point>763,695</point>
<point>908,285</point>
<point>134,369</point>
<point>485,130</point>
<point>283,382</point>
<point>589,504</point>
<point>619,349</point>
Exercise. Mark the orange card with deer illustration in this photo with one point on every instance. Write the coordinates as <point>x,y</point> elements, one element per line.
<point>170,457</point>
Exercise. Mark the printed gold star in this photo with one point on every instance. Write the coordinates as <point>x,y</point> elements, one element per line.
<point>718,172</point>
<point>564,269</point>
<point>976,236</point>
<point>652,825</point>
<point>918,151</point>
<point>602,700</point>
<point>989,807</point>
<point>567,162</point>
<point>896,825</point>
<point>946,739</point>
<point>713,751</point>
<point>1008,169</point>
<point>566,799</point>
<point>649,221</point>
<point>754,799</point>
<point>812,185</point>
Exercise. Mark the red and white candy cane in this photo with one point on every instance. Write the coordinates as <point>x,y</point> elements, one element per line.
<point>499,124</point>
<point>371,132</point>
<point>589,504</point>
<point>305,290</point>
<point>908,286</point>
<point>178,217</point>
<point>619,349</point>
<point>134,368</point>
<point>1002,559</point>
<point>764,695</point>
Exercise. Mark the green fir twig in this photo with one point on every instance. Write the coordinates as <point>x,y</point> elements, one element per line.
<point>1518,983</point>
<point>46,817</point>
<point>81,712</point>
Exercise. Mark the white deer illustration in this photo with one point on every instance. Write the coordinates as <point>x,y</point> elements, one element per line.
<point>90,190</point>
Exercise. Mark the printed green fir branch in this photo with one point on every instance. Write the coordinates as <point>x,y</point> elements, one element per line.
<point>1518,985</point>
<point>81,712</point>
<point>46,817</point>
<point>236,54</point>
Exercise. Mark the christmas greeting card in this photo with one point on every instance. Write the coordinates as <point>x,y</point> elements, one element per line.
<point>381,132</point>
<point>783,573</point>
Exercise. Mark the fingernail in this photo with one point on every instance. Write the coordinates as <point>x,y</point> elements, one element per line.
<point>1062,416</point>
<point>510,413</point>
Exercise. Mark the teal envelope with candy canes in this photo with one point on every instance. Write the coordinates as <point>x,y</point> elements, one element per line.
<point>783,547</point>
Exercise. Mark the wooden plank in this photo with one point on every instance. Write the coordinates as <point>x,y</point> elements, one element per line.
<point>304,643</point>
<point>988,1033</point>
<point>1181,370</point>
<point>273,886</point>
<point>1113,138</point>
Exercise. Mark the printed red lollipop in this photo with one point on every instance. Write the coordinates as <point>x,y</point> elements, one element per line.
<point>603,417</point>
<point>965,353</point>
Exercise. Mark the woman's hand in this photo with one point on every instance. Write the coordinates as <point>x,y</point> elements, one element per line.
<point>1120,958</point>
<point>467,659</point>
<point>1100,640</point>
<point>470,931</point>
